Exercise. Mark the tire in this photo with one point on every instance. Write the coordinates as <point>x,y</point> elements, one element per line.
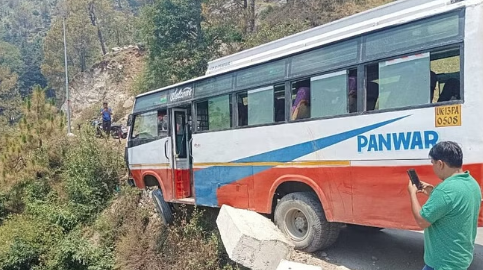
<point>300,216</point>
<point>364,229</point>
<point>162,207</point>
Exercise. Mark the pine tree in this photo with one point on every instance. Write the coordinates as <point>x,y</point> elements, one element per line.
<point>28,150</point>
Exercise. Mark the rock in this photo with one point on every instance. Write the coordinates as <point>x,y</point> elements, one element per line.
<point>252,240</point>
<point>128,104</point>
<point>116,49</point>
<point>289,265</point>
<point>323,254</point>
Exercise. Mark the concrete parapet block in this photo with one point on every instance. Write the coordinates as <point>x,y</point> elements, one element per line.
<point>252,240</point>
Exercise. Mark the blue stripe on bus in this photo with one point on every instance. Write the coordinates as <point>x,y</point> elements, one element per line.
<point>208,180</point>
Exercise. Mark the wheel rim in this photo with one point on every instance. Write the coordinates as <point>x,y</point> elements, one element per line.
<point>297,224</point>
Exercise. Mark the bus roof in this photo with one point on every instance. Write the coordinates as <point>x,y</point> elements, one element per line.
<point>383,16</point>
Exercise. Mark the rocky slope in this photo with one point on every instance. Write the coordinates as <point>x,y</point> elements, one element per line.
<point>111,80</point>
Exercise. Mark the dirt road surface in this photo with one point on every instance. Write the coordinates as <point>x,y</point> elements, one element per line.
<point>384,250</point>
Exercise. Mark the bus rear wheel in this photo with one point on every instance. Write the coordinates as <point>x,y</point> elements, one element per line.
<point>300,216</point>
<point>162,207</point>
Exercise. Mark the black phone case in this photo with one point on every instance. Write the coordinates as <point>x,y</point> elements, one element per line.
<point>414,178</point>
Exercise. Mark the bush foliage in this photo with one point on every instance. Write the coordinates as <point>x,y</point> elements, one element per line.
<point>60,207</point>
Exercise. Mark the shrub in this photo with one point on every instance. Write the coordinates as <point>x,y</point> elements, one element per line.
<point>25,239</point>
<point>192,242</point>
<point>75,252</point>
<point>91,174</point>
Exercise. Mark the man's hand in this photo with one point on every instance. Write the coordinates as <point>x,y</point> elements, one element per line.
<point>427,188</point>
<point>412,189</point>
<point>415,206</point>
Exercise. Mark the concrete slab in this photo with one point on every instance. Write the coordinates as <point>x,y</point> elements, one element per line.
<point>251,239</point>
<point>289,265</point>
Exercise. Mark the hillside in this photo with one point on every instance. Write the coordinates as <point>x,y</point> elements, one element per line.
<point>112,80</point>
<point>64,201</point>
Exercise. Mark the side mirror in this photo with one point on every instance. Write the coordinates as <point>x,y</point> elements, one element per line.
<point>129,120</point>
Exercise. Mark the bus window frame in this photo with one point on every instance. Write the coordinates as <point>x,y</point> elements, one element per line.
<point>461,11</point>
<point>360,65</point>
<point>459,46</point>
<point>320,74</point>
<point>194,113</point>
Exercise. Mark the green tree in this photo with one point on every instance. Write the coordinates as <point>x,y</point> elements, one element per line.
<point>25,153</point>
<point>10,64</point>
<point>9,97</point>
<point>31,75</point>
<point>10,57</point>
<point>177,46</point>
<point>81,46</point>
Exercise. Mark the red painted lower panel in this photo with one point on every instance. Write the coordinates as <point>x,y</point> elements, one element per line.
<point>375,196</point>
<point>182,183</point>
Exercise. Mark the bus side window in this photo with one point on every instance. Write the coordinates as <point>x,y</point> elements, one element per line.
<point>400,82</point>
<point>329,94</point>
<point>214,113</point>
<point>258,106</point>
<point>405,81</point>
<point>445,65</point>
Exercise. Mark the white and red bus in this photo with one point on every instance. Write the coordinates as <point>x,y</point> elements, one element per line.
<point>319,128</point>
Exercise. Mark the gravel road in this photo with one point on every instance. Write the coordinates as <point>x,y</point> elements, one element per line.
<point>384,250</point>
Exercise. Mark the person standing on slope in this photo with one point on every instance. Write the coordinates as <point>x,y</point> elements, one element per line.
<point>106,113</point>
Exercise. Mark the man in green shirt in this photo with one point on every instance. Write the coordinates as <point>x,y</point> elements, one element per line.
<point>450,216</point>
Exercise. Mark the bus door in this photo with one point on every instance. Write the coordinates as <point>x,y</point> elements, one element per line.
<point>181,161</point>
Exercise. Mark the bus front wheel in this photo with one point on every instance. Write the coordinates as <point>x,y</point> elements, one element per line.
<point>301,217</point>
<point>162,207</point>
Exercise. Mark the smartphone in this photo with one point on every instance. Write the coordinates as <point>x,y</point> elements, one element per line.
<point>415,179</point>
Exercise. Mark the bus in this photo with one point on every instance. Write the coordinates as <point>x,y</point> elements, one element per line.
<point>318,129</point>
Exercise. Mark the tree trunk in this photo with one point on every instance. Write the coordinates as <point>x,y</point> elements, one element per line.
<point>92,15</point>
<point>251,25</point>
<point>101,40</point>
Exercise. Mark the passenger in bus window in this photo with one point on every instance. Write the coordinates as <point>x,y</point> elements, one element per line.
<point>301,105</point>
<point>433,86</point>
<point>372,96</point>
<point>451,90</point>
<point>162,124</point>
<point>279,110</point>
<point>352,94</point>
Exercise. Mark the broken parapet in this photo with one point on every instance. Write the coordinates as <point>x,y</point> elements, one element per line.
<point>252,240</point>
<point>289,265</point>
